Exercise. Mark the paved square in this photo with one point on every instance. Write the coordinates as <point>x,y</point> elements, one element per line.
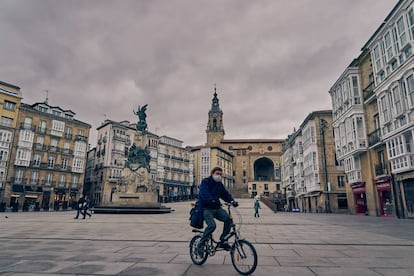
<point>53,243</point>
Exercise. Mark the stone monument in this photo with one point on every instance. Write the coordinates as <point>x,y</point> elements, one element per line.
<point>136,191</point>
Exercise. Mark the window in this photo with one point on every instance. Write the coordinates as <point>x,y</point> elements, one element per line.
<point>64,164</point>
<point>48,180</point>
<point>388,45</point>
<point>341,181</point>
<point>62,180</point>
<point>253,186</point>
<point>18,176</point>
<point>384,107</point>
<point>75,181</point>
<point>342,201</point>
<point>42,127</point>
<point>51,162</point>
<point>34,178</point>
<point>397,100</point>
<point>36,160</point>
<point>9,105</point>
<point>68,133</point>
<point>6,121</point>
<point>3,155</point>
<point>58,128</point>
<point>410,85</point>
<point>401,31</point>
<point>266,187</point>
<point>355,89</point>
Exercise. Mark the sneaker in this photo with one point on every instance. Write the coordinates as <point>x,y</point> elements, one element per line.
<point>225,245</point>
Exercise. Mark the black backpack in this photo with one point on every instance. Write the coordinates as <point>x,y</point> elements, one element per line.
<point>196,216</point>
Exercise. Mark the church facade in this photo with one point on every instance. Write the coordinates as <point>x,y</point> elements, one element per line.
<point>251,166</point>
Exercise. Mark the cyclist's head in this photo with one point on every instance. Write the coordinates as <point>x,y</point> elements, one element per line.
<point>217,170</point>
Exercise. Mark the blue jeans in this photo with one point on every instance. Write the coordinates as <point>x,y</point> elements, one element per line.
<point>209,216</point>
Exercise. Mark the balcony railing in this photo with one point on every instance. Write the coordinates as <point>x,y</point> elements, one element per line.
<point>41,130</point>
<point>81,138</point>
<point>368,91</point>
<point>374,137</point>
<point>27,126</point>
<point>381,169</point>
<point>18,180</point>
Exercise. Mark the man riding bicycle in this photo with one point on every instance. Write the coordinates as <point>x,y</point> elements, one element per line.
<point>211,190</point>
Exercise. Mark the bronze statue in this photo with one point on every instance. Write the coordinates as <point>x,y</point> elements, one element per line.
<point>142,123</point>
<point>138,158</point>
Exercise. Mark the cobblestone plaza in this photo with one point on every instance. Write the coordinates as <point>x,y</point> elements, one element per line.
<point>53,243</point>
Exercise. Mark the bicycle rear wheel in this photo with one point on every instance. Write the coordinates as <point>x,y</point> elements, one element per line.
<point>244,257</point>
<point>198,260</point>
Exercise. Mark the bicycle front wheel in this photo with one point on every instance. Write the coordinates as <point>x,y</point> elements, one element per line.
<point>198,260</point>
<point>244,257</point>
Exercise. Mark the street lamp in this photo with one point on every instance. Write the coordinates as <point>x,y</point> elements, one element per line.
<point>323,127</point>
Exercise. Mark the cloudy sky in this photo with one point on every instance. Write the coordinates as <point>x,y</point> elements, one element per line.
<point>273,61</point>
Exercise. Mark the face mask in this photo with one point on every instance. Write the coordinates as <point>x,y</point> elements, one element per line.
<point>217,178</point>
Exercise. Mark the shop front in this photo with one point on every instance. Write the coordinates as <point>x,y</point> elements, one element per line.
<point>385,198</point>
<point>360,198</point>
<point>16,197</point>
<point>60,201</point>
<point>405,182</point>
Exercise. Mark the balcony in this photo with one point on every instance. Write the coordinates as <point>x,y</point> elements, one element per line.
<point>18,180</point>
<point>54,149</point>
<point>83,138</point>
<point>41,130</point>
<point>381,170</point>
<point>35,163</point>
<point>374,137</point>
<point>48,183</point>
<point>67,151</point>
<point>39,147</point>
<point>27,126</point>
<point>368,91</point>
<point>354,176</point>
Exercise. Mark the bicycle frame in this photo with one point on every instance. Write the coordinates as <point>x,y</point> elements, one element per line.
<point>212,244</point>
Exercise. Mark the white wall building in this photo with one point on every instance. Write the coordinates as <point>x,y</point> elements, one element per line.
<point>391,48</point>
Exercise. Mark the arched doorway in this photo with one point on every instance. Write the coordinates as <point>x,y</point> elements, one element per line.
<point>264,169</point>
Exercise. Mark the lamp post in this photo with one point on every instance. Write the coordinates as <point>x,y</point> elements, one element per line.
<point>323,127</point>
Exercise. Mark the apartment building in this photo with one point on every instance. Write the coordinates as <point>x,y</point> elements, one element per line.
<point>391,48</point>
<point>175,170</point>
<point>48,158</point>
<point>310,173</point>
<point>10,98</point>
<point>171,165</point>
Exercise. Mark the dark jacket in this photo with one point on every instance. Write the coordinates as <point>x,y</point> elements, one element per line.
<point>211,192</point>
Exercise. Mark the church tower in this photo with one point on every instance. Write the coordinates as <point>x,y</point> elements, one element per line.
<point>215,130</point>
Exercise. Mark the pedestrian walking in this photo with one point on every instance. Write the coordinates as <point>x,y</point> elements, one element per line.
<point>256,208</point>
<point>86,206</point>
<point>79,207</point>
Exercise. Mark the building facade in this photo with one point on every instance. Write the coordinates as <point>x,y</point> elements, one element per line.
<point>256,165</point>
<point>310,173</point>
<point>10,98</point>
<point>175,170</point>
<point>391,48</point>
<point>48,160</point>
<point>171,165</point>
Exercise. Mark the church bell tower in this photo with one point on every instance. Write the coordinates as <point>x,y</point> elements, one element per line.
<point>215,130</point>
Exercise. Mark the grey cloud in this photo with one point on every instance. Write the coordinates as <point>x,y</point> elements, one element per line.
<point>273,61</point>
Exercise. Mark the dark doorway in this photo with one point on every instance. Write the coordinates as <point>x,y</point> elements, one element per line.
<point>264,170</point>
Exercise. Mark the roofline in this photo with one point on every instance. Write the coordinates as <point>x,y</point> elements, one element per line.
<point>382,24</point>
<point>314,113</point>
<point>9,84</point>
<point>228,141</point>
